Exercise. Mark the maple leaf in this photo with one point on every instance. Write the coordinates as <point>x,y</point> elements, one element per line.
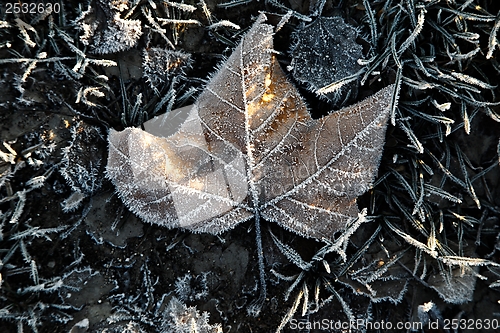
<point>248,148</point>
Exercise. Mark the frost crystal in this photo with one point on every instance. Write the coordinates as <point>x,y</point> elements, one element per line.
<point>119,36</point>
<point>190,288</point>
<point>73,201</point>
<point>160,65</point>
<point>326,53</point>
<point>183,319</point>
<point>82,163</point>
<point>121,327</point>
<point>105,31</point>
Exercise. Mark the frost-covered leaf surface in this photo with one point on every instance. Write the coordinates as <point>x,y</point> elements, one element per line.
<point>324,53</point>
<point>249,148</point>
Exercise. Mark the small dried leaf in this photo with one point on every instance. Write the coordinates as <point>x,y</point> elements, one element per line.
<point>326,53</point>
<point>457,288</point>
<point>249,148</point>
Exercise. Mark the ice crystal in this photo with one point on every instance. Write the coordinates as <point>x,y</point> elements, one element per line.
<point>105,30</point>
<point>161,65</point>
<point>162,314</point>
<point>121,327</point>
<point>191,288</point>
<point>73,201</point>
<point>82,160</point>
<point>82,165</point>
<point>183,319</point>
<point>119,36</point>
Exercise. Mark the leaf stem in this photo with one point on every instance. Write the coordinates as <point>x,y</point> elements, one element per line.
<point>256,306</point>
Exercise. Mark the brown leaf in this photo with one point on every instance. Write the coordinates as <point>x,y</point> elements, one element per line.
<point>249,148</point>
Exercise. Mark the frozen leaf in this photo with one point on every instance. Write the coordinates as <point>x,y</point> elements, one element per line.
<point>457,287</point>
<point>326,53</point>
<point>249,148</point>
